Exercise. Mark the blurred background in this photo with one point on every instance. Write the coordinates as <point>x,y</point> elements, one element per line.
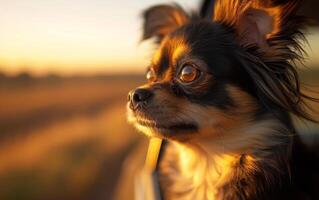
<point>65,70</point>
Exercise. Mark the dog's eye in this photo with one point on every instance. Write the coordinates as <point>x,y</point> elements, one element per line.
<point>150,75</point>
<point>188,73</point>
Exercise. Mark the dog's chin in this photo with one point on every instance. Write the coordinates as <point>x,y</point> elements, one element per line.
<point>167,130</point>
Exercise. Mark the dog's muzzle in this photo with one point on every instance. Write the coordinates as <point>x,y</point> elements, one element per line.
<point>139,98</point>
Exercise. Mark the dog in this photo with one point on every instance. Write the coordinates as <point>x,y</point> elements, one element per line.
<point>222,91</point>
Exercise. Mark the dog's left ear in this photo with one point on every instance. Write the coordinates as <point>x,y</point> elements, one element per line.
<point>253,26</point>
<point>163,19</point>
<point>256,21</point>
<point>271,34</point>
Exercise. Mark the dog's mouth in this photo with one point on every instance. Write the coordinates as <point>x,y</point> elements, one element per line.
<point>158,123</point>
<point>177,127</point>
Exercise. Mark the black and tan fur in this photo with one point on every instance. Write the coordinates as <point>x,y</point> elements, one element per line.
<point>230,130</point>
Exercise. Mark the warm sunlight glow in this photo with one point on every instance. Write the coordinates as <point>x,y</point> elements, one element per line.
<point>73,37</point>
<point>80,37</point>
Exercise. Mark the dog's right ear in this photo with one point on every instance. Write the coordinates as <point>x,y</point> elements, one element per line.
<point>163,19</point>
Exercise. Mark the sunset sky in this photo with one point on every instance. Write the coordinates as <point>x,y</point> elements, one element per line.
<point>78,36</point>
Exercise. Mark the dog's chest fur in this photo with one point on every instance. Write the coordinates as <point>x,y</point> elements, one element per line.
<point>204,172</point>
<point>191,174</point>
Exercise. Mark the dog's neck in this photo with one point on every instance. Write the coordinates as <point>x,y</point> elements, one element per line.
<point>210,170</point>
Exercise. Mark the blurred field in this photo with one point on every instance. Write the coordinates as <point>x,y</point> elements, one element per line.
<point>66,138</point>
<point>63,138</point>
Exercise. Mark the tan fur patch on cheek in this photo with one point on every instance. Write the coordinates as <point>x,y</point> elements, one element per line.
<point>209,119</point>
<point>214,121</point>
<point>245,104</point>
<point>183,109</point>
<point>236,130</point>
<point>242,112</point>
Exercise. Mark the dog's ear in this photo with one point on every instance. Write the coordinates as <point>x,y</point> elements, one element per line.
<point>253,26</point>
<point>256,22</point>
<point>270,32</point>
<point>163,19</point>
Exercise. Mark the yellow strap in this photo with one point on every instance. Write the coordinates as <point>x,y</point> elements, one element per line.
<point>153,154</point>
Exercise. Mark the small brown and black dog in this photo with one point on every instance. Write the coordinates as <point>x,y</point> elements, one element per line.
<point>222,91</point>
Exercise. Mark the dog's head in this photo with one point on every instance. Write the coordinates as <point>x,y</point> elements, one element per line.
<point>211,76</point>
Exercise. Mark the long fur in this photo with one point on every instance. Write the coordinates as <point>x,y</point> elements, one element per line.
<point>231,132</point>
<point>273,69</point>
<point>206,172</point>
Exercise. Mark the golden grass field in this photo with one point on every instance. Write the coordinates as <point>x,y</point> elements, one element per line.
<point>65,138</point>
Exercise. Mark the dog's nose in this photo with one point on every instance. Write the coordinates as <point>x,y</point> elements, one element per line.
<point>139,96</point>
